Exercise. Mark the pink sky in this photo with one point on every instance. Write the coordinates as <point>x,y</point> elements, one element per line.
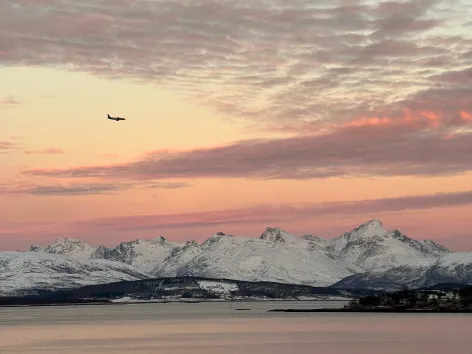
<point>312,119</point>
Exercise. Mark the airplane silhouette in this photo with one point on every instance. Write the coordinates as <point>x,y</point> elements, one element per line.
<point>115,118</point>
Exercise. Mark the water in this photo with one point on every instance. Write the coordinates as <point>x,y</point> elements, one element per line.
<point>210,328</point>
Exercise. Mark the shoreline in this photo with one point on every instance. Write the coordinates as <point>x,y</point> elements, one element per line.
<point>375,310</point>
<point>131,302</point>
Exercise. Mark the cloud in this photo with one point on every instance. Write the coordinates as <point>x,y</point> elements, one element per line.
<point>46,151</point>
<point>278,213</point>
<point>371,88</point>
<point>80,189</point>
<point>169,185</point>
<point>12,146</point>
<point>7,146</point>
<point>8,101</point>
<point>260,60</point>
<point>63,190</point>
<point>409,143</point>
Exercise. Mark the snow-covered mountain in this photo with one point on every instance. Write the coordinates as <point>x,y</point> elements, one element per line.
<point>366,255</point>
<point>145,255</point>
<point>74,249</point>
<point>449,268</point>
<point>370,247</point>
<point>275,256</point>
<point>21,273</point>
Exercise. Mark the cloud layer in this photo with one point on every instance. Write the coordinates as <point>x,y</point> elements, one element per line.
<point>371,147</point>
<point>45,151</point>
<point>11,145</point>
<point>78,189</point>
<point>260,59</point>
<point>278,213</point>
<point>368,88</point>
<point>7,146</point>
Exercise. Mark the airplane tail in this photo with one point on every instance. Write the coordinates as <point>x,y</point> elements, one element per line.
<point>108,116</point>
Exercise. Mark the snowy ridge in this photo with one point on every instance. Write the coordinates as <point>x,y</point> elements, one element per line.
<point>24,272</point>
<point>142,254</point>
<point>276,256</point>
<point>371,247</point>
<point>450,268</point>
<point>72,248</point>
<point>366,254</point>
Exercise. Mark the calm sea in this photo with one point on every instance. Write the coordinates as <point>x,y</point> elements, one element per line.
<point>209,328</point>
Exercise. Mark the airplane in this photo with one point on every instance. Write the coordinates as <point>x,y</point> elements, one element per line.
<point>115,118</point>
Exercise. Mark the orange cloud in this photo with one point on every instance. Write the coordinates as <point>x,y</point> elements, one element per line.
<point>369,121</point>
<point>409,117</point>
<point>466,116</point>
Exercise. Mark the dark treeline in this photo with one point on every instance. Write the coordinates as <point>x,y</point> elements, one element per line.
<point>184,287</point>
<point>37,300</point>
<point>432,297</point>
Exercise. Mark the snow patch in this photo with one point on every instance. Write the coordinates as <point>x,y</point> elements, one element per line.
<point>216,287</point>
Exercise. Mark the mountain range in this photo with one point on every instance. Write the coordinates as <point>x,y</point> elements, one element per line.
<point>368,256</point>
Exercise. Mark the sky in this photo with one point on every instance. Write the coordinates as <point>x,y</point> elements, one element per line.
<point>311,116</point>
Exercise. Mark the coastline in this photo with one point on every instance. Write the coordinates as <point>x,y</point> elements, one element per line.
<point>376,310</point>
<point>135,302</point>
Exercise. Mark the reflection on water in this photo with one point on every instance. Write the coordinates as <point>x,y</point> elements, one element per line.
<point>218,328</point>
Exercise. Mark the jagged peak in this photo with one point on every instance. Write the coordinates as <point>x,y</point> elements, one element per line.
<point>310,237</point>
<point>216,237</point>
<point>374,223</point>
<point>35,248</point>
<point>371,228</point>
<point>190,243</point>
<point>276,235</point>
<point>437,246</point>
<point>69,243</point>
<point>161,240</point>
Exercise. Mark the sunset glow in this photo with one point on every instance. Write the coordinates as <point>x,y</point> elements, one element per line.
<point>314,118</point>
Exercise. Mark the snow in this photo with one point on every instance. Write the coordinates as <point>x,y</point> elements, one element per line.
<point>145,255</point>
<point>371,247</point>
<point>72,248</point>
<point>455,259</point>
<point>368,253</point>
<point>216,287</point>
<point>449,268</point>
<point>22,272</point>
<point>250,259</point>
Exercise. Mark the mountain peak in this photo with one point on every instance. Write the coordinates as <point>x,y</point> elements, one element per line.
<point>276,235</point>
<point>436,246</point>
<point>71,247</point>
<point>35,248</point>
<point>67,240</point>
<point>310,237</point>
<point>374,223</point>
<point>370,229</point>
